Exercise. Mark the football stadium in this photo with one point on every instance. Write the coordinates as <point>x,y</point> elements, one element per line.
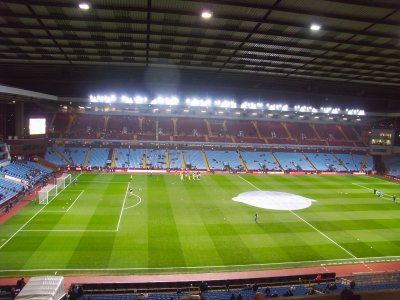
<point>190,149</point>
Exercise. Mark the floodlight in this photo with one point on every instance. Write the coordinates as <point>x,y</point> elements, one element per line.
<point>84,6</point>
<point>315,27</point>
<point>206,14</point>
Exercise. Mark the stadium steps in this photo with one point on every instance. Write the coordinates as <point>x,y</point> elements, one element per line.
<point>277,161</point>
<point>364,163</point>
<point>60,155</point>
<point>174,120</point>
<point>114,156</point>
<point>316,132</point>
<point>342,132</point>
<point>183,160</point>
<point>145,159</point>
<point>242,161</point>
<point>311,164</point>
<point>167,159</point>
<point>106,119</point>
<point>70,122</point>
<point>208,128</point>
<point>87,157</point>
<point>340,163</point>
<point>205,160</point>
<point>257,130</point>
<point>284,125</point>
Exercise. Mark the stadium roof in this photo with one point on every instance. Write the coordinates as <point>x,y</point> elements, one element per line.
<point>56,47</point>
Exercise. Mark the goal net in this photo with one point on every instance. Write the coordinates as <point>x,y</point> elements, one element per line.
<point>46,193</point>
<point>63,181</point>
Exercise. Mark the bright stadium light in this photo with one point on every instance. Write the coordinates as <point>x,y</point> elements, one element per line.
<point>225,103</point>
<point>206,14</point>
<point>126,99</point>
<point>140,100</point>
<point>160,100</point>
<point>198,102</point>
<point>84,5</point>
<point>315,27</point>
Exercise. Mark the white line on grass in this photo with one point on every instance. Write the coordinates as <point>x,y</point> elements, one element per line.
<point>68,230</point>
<point>339,261</point>
<point>312,226</point>
<point>122,208</point>
<point>390,198</point>
<point>9,239</point>
<point>132,206</point>
<point>74,201</point>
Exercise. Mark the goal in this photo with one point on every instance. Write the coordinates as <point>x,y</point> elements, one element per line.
<point>46,193</point>
<point>63,181</point>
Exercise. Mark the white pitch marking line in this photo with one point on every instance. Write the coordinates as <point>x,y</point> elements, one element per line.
<point>132,206</point>
<point>122,208</point>
<point>68,230</point>
<point>367,188</point>
<point>9,239</point>
<point>80,194</point>
<point>312,226</point>
<point>331,261</point>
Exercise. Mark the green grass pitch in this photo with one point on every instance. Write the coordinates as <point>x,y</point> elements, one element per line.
<point>173,226</point>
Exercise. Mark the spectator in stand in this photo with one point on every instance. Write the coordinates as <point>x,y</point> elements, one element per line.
<point>21,283</point>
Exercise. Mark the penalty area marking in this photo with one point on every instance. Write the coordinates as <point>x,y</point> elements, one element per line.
<point>322,263</point>
<point>310,225</point>
<point>136,204</point>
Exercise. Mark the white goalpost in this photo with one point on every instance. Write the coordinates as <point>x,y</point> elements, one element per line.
<point>63,181</point>
<point>46,193</point>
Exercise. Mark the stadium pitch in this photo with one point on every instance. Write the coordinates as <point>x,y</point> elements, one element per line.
<point>165,225</point>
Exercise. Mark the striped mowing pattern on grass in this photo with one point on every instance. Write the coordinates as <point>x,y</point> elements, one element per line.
<point>168,225</point>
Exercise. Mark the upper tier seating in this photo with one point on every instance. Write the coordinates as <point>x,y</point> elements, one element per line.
<point>165,126</point>
<point>86,126</point>
<point>194,158</point>
<point>217,128</point>
<point>274,130</point>
<point>293,161</point>
<point>220,160</point>
<point>301,131</point>
<point>122,127</point>
<point>325,162</point>
<point>191,127</point>
<point>259,160</point>
<point>98,157</point>
<point>350,133</point>
<point>241,128</point>
<point>155,158</point>
<point>52,157</point>
<point>60,123</point>
<point>329,132</point>
<point>175,160</point>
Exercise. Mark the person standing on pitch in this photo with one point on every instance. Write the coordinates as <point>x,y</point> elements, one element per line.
<point>394,198</point>
<point>255,217</point>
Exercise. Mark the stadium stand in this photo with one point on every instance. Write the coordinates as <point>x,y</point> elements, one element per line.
<point>259,161</point>
<point>293,161</point>
<point>223,160</point>
<point>325,162</point>
<point>155,159</point>
<point>8,189</point>
<point>98,157</point>
<point>53,157</point>
<point>194,159</point>
<point>175,159</point>
<point>393,166</point>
